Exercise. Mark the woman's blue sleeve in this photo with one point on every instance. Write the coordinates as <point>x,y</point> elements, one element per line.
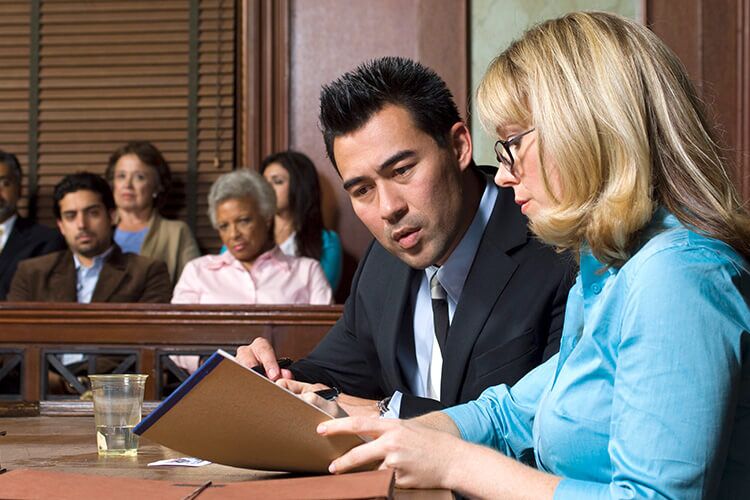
<point>331,257</point>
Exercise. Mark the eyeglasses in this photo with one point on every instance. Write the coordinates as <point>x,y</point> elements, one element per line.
<point>503,153</point>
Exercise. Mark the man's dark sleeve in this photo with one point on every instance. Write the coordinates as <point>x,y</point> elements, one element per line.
<point>414,406</point>
<point>158,286</point>
<point>54,243</point>
<point>20,287</point>
<point>346,357</point>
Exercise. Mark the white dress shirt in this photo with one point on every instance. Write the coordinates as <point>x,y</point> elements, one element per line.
<point>5,229</point>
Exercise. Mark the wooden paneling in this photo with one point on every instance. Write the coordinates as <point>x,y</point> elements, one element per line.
<point>712,38</point>
<point>265,71</point>
<point>292,330</point>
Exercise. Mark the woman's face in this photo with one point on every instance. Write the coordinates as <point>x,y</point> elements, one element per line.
<point>135,184</point>
<point>278,177</point>
<point>526,181</point>
<point>242,228</point>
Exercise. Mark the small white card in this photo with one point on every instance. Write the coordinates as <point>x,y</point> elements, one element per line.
<point>182,462</point>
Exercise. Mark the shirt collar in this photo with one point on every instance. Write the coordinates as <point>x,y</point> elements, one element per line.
<point>452,274</point>
<point>595,272</point>
<point>274,257</point>
<point>8,224</point>
<point>98,260</point>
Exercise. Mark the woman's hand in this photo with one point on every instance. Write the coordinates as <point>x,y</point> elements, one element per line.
<point>421,456</point>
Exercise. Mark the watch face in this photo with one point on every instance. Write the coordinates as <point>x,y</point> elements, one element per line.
<point>383,405</point>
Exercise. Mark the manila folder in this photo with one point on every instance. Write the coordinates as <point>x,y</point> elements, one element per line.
<point>231,415</point>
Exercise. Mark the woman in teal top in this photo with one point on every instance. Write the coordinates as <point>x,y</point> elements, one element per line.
<point>298,226</point>
<point>609,153</point>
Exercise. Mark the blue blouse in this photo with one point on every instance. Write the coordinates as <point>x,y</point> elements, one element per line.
<point>130,241</point>
<point>649,396</point>
<point>331,257</point>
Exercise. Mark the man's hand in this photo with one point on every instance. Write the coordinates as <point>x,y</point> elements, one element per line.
<point>307,393</point>
<point>358,407</point>
<point>260,352</point>
<point>344,406</point>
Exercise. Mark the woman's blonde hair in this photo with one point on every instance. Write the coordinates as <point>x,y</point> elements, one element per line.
<point>618,118</point>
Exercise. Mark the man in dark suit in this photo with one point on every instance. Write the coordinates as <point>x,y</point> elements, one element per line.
<point>19,237</point>
<point>93,268</point>
<point>454,296</point>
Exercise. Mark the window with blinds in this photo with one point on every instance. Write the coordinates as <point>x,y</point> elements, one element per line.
<point>14,83</point>
<point>109,71</point>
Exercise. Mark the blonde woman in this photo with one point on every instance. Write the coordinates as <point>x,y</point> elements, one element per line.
<point>608,150</point>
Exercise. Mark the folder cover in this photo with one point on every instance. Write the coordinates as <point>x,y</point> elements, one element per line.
<point>231,415</point>
<point>25,484</point>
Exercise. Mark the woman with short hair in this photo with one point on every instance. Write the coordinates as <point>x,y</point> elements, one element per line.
<point>253,270</point>
<point>610,154</point>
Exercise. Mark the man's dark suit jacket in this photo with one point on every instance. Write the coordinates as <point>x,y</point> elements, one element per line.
<point>26,240</point>
<point>508,320</point>
<point>124,278</point>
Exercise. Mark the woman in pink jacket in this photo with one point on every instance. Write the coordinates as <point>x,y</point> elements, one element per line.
<point>241,206</point>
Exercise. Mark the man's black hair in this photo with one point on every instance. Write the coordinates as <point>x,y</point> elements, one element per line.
<point>348,102</point>
<point>83,181</point>
<point>12,162</point>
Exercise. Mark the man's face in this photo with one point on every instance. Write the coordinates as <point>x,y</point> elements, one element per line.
<point>404,187</point>
<point>10,190</point>
<point>85,223</point>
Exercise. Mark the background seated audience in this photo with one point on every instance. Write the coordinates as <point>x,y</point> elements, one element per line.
<point>93,268</point>
<point>607,145</point>
<point>140,178</point>
<point>254,270</point>
<point>19,237</point>
<point>298,225</point>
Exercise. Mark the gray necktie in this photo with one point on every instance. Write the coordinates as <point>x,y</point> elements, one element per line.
<point>439,311</point>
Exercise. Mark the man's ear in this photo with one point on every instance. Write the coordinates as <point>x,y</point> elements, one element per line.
<point>461,144</point>
<point>59,225</point>
<point>113,217</point>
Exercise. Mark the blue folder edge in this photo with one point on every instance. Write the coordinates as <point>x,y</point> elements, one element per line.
<point>179,393</point>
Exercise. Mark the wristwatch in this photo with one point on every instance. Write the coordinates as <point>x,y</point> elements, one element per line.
<point>383,405</point>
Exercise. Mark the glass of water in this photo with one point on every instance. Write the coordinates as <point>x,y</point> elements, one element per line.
<point>117,409</point>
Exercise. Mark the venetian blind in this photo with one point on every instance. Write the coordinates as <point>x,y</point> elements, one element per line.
<point>117,70</point>
<point>14,82</point>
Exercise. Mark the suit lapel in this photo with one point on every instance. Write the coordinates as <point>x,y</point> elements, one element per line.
<point>490,272</point>
<point>392,326</point>
<point>63,279</point>
<point>112,274</point>
<point>13,245</point>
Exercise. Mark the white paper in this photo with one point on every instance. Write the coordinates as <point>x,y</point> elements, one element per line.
<point>182,461</point>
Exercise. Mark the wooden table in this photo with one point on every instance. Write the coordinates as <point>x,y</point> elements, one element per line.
<point>68,444</point>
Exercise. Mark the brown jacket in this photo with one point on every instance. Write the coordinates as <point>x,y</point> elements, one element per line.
<point>124,278</point>
<point>170,241</point>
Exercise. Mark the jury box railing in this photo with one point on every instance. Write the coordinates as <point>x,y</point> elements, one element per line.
<point>47,350</point>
